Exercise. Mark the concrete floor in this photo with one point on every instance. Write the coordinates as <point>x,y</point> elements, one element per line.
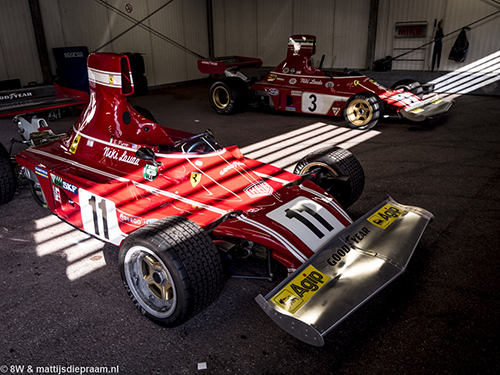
<point>62,301</point>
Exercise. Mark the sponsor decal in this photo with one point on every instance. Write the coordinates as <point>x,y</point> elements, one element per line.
<point>292,71</point>
<point>437,101</point>
<point>286,70</point>
<point>272,77</point>
<point>300,289</point>
<point>296,93</point>
<point>290,109</point>
<point>198,163</point>
<point>58,181</point>
<point>70,55</point>
<point>205,62</point>
<point>292,81</point>
<point>258,189</point>
<point>329,84</point>
<point>195,178</point>
<point>56,193</point>
<point>15,95</point>
<point>274,92</point>
<point>135,221</point>
<point>228,167</point>
<point>90,142</point>
<point>41,172</point>
<point>114,154</point>
<point>111,79</point>
<point>150,172</point>
<point>385,216</point>
<point>74,144</point>
<point>416,110</point>
<point>356,82</point>
<point>335,110</point>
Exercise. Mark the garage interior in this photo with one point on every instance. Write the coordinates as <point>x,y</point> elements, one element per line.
<point>62,299</point>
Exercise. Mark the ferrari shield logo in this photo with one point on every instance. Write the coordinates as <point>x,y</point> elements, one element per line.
<point>195,178</point>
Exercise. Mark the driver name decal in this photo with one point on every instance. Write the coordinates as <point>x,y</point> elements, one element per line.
<point>114,154</point>
<point>300,289</point>
<point>259,189</point>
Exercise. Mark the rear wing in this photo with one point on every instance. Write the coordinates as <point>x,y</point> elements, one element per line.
<point>40,98</point>
<point>218,65</point>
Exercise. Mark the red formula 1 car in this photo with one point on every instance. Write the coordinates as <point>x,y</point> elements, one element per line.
<point>180,206</point>
<point>297,86</point>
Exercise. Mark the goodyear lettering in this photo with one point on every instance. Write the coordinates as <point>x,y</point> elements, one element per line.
<point>15,95</point>
<point>357,237</point>
<point>233,165</point>
<point>338,255</point>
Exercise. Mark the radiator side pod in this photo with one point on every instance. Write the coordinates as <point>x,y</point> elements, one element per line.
<point>350,269</point>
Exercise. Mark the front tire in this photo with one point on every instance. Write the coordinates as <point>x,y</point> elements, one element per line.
<point>335,170</point>
<point>411,86</point>
<point>362,111</point>
<point>229,95</point>
<point>7,177</point>
<point>171,270</point>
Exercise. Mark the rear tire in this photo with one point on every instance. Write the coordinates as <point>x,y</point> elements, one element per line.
<point>335,170</point>
<point>411,86</point>
<point>8,182</point>
<point>229,95</point>
<point>362,111</point>
<point>171,270</point>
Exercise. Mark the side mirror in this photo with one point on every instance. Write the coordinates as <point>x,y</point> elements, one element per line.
<point>147,154</point>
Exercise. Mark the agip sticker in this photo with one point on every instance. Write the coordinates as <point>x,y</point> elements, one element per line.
<point>385,216</point>
<point>300,289</point>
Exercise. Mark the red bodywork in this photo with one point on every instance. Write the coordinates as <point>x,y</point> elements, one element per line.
<point>295,85</point>
<point>93,177</point>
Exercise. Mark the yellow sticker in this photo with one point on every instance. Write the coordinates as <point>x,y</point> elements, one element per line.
<point>416,110</point>
<point>300,289</point>
<point>436,101</point>
<point>385,216</point>
<point>74,145</point>
<point>195,178</point>
<point>272,77</point>
<point>111,80</point>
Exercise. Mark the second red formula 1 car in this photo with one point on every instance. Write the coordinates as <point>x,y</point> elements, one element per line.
<point>180,206</point>
<point>297,86</point>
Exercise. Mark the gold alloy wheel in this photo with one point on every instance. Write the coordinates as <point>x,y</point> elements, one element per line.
<point>359,112</point>
<point>156,278</point>
<point>150,282</point>
<point>220,97</point>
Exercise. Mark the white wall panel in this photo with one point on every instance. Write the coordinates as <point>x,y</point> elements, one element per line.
<point>261,28</point>
<point>483,37</point>
<point>18,52</point>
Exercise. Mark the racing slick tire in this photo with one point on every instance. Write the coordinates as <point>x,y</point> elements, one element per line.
<point>229,95</point>
<point>411,86</point>
<point>362,111</point>
<point>8,182</point>
<point>335,170</point>
<point>171,270</point>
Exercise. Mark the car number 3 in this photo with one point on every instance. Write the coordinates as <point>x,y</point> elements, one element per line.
<point>313,98</point>
<point>99,217</point>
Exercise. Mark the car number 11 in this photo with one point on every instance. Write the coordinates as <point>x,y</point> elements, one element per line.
<point>309,221</point>
<point>99,217</point>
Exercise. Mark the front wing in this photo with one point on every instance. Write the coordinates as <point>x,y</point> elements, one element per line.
<point>349,270</point>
